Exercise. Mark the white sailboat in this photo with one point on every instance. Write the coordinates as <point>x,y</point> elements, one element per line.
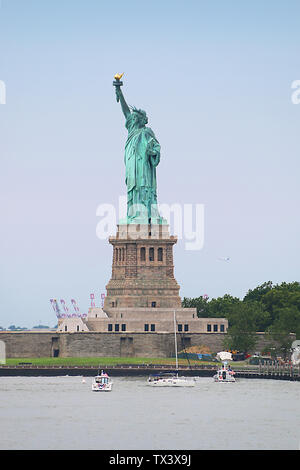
<point>171,379</point>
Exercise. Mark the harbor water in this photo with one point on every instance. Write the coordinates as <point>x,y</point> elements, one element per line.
<point>54,413</point>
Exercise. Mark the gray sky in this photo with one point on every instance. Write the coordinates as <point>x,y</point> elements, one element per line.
<point>215,79</point>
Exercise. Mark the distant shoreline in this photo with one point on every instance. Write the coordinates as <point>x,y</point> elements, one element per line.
<point>114,370</point>
<point>140,370</point>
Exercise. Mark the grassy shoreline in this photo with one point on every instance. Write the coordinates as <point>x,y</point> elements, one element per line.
<point>90,361</point>
<point>109,361</point>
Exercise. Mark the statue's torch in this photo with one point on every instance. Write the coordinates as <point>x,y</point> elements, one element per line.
<point>117,82</point>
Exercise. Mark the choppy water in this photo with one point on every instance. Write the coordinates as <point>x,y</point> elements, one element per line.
<point>63,413</point>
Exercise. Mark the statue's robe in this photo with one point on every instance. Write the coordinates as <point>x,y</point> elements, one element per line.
<point>141,167</point>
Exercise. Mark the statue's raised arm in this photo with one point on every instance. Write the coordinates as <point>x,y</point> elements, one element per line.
<point>119,95</point>
<point>124,105</point>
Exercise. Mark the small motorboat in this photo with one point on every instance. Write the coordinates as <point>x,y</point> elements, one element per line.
<point>224,374</point>
<point>102,383</point>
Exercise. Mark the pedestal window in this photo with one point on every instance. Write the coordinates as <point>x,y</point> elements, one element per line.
<point>151,254</point>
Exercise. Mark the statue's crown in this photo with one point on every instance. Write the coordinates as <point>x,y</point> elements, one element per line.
<point>139,111</point>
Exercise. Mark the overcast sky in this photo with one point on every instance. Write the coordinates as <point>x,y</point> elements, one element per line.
<point>215,79</point>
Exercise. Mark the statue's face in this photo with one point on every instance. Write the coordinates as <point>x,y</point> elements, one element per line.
<point>140,119</point>
<point>135,117</point>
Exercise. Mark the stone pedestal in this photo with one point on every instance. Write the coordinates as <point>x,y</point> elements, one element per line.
<point>142,268</point>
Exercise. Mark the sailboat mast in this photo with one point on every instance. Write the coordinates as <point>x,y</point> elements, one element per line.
<point>175,341</point>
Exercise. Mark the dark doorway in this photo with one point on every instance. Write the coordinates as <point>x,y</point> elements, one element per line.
<point>55,347</point>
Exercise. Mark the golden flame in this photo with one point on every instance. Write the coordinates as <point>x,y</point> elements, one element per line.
<point>118,76</point>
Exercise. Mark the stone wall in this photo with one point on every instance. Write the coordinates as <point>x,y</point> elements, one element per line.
<point>93,344</point>
<point>30,344</point>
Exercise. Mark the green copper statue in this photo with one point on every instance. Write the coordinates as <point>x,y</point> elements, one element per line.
<point>142,155</point>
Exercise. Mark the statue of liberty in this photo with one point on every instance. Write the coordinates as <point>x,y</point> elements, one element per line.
<point>142,155</point>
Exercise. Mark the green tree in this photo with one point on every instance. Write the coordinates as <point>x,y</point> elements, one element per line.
<point>287,321</point>
<point>257,293</point>
<point>214,308</point>
<point>200,303</point>
<point>243,320</point>
<point>261,306</point>
<point>222,306</point>
<point>281,296</point>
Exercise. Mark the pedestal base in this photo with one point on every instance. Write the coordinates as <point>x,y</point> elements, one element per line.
<point>142,269</point>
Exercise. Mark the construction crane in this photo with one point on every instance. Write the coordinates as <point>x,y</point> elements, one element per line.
<point>55,307</point>
<point>65,307</point>
<point>76,309</point>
